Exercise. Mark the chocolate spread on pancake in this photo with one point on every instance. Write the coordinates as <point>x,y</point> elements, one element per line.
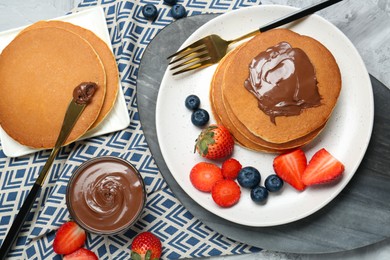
<point>283,80</point>
<point>84,92</point>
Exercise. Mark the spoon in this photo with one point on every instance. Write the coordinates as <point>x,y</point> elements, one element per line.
<point>81,96</point>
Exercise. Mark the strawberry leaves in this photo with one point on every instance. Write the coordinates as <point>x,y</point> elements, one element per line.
<point>203,142</point>
<point>147,256</point>
<point>146,246</point>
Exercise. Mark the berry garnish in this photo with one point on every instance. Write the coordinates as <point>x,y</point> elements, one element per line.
<point>259,194</point>
<point>178,11</point>
<point>273,183</point>
<point>226,193</point>
<point>290,167</point>
<point>69,238</point>
<point>249,177</point>
<point>149,11</point>
<point>200,117</point>
<point>146,246</point>
<point>230,168</point>
<point>215,142</point>
<point>192,102</point>
<point>322,168</point>
<point>170,2</point>
<point>204,175</point>
<point>81,254</point>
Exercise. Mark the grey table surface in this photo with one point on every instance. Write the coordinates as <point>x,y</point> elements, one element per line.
<point>365,23</point>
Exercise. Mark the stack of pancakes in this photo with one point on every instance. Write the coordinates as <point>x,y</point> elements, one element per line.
<point>39,70</point>
<point>236,108</point>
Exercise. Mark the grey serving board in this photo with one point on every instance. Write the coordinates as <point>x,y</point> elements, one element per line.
<point>358,216</point>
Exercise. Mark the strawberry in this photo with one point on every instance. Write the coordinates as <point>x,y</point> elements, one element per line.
<point>290,167</point>
<point>215,142</point>
<point>146,246</point>
<point>322,168</point>
<point>204,175</point>
<point>230,168</point>
<point>226,193</point>
<point>81,254</point>
<point>69,238</point>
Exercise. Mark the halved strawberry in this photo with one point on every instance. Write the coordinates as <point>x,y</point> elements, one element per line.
<point>230,168</point>
<point>226,193</point>
<point>290,167</point>
<point>146,246</point>
<point>322,168</point>
<point>69,238</point>
<point>215,142</point>
<point>204,175</point>
<point>81,254</point>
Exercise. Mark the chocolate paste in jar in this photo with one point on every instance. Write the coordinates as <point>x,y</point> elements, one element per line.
<point>106,195</point>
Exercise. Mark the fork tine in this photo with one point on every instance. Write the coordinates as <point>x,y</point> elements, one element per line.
<point>195,57</point>
<point>204,62</point>
<point>190,52</point>
<point>191,46</point>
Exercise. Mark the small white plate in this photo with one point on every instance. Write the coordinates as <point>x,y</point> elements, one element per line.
<point>118,118</point>
<point>346,135</point>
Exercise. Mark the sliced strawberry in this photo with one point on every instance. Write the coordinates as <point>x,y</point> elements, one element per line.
<point>322,168</point>
<point>81,254</point>
<point>204,175</point>
<point>146,246</point>
<point>69,238</point>
<point>230,168</point>
<point>290,167</point>
<point>215,142</point>
<point>226,193</point>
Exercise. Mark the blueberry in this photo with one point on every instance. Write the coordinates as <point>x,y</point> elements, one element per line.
<point>200,117</point>
<point>170,2</point>
<point>249,177</point>
<point>259,194</point>
<point>149,11</point>
<point>178,11</point>
<point>192,102</point>
<point>273,183</point>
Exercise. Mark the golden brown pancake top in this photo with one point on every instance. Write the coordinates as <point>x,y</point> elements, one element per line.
<point>243,136</point>
<point>39,70</point>
<point>245,106</point>
<point>105,55</point>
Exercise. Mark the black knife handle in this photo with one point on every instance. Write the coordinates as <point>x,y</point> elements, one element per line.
<point>19,221</point>
<point>298,14</point>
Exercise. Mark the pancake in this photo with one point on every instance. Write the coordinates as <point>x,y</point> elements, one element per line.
<point>224,115</point>
<point>105,55</point>
<point>39,70</point>
<point>244,104</point>
<point>218,109</point>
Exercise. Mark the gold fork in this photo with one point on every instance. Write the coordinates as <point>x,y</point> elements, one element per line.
<point>212,48</point>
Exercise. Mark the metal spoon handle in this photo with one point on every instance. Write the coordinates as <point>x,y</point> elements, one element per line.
<point>298,14</point>
<point>72,114</point>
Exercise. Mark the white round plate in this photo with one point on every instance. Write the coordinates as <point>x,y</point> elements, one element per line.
<point>346,135</point>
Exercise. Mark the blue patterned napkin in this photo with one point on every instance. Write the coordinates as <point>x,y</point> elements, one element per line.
<point>182,235</point>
